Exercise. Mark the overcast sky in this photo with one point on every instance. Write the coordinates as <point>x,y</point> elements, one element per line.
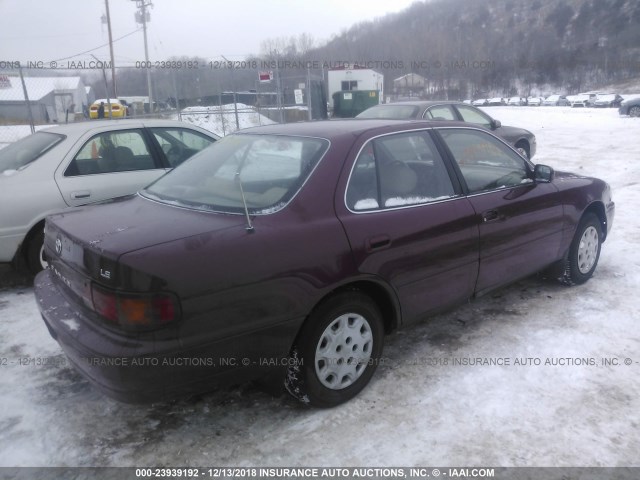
<point>46,30</point>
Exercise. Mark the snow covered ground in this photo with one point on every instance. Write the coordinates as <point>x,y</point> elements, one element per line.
<point>571,409</point>
<point>221,120</point>
<point>13,133</point>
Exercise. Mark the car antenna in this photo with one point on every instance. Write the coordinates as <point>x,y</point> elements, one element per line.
<point>249,226</point>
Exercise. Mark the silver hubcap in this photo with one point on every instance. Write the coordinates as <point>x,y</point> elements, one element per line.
<point>522,152</point>
<point>634,112</point>
<point>587,250</point>
<point>343,351</point>
<point>43,262</point>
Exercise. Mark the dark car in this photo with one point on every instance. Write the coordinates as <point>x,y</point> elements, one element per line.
<point>630,107</point>
<point>522,140</point>
<point>289,251</point>
<point>607,100</point>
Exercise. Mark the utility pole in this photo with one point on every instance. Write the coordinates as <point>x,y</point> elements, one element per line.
<point>278,98</point>
<point>106,87</point>
<point>113,65</point>
<point>235,95</point>
<point>142,16</point>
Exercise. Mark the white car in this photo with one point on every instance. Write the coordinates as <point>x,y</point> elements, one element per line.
<point>534,101</point>
<point>556,100</point>
<point>480,102</point>
<point>580,100</point>
<point>82,163</point>
<point>517,101</point>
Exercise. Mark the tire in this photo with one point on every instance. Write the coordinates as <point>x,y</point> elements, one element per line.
<point>584,251</point>
<point>523,150</point>
<point>35,253</point>
<point>634,111</point>
<point>336,351</point>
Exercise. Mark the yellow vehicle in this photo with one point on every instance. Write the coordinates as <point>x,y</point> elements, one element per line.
<point>118,108</point>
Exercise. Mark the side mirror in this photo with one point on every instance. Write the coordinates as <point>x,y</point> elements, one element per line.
<point>495,124</point>
<point>543,173</point>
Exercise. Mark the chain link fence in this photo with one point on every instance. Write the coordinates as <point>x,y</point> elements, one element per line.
<point>32,99</point>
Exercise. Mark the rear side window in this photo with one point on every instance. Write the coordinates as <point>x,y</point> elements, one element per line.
<point>398,170</point>
<point>440,112</point>
<point>109,152</point>
<point>26,150</point>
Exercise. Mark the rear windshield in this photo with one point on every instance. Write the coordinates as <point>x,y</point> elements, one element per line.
<point>267,170</point>
<point>26,150</point>
<point>392,112</point>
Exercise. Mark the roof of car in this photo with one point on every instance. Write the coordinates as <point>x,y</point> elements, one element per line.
<point>420,103</point>
<point>81,127</point>
<point>351,126</point>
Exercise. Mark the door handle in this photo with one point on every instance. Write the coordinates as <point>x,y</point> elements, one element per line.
<point>378,243</point>
<point>491,215</point>
<point>80,194</point>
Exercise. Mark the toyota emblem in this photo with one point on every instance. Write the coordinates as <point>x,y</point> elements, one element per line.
<point>58,246</point>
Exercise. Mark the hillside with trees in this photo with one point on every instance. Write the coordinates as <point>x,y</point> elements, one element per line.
<point>464,48</point>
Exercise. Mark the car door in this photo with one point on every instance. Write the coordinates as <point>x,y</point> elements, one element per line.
<point>520,220</point>
<point>408,223</point>
<point>108,164</point>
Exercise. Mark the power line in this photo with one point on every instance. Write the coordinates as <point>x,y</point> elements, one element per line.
<point>96,48</point>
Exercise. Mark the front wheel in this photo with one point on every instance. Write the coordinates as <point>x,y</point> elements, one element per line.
<point>584,251</point>
<point>523,150</point>
<point>336,351</point>
<point>634,112</point>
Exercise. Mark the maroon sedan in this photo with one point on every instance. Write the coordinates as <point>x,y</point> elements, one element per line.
<point>289,251</point>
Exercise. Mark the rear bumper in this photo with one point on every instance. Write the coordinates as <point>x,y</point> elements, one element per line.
<point>145,368</point>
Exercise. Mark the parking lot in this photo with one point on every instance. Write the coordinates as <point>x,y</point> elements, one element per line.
<point>537,374</point>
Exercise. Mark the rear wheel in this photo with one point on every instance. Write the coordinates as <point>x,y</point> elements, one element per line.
<point>36,260</point>
<point>337,350</point>
<point>634,111</point>
<point>584,251</point>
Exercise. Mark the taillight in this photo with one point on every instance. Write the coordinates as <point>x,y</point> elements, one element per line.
<point>136,311</point>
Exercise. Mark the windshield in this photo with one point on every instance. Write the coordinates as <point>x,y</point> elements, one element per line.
<point>272,168</point>
<point>26,150</point>
<point>393,112</point>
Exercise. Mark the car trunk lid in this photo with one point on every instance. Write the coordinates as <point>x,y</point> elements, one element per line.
<point>80,250</point>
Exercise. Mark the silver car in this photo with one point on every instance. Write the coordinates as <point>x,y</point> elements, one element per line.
<point>82,163</point>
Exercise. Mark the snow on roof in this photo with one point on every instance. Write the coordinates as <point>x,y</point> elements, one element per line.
<point>409,75</point>
<point>37,87</point>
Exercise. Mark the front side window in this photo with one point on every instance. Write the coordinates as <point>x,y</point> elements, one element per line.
<point>109,152</point>
<point>178,144</point>
<point>473,115</point>
<point>485,162</point>
<point>266,171</point>
<point>398,170</point>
